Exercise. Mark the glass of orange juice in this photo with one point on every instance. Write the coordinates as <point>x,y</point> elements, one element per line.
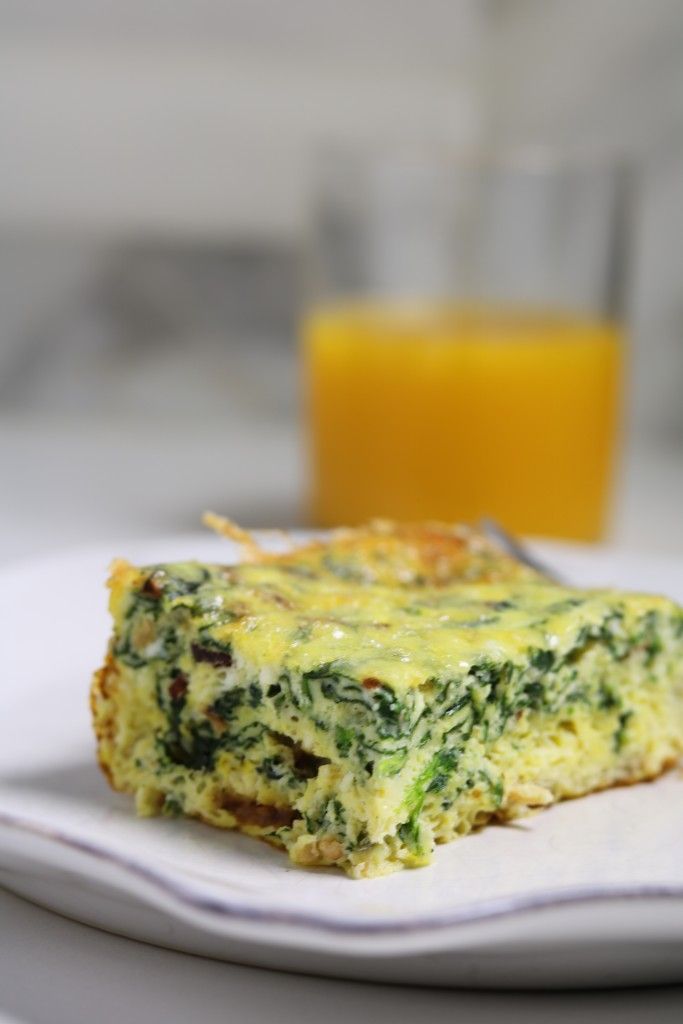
<point>462,344</point>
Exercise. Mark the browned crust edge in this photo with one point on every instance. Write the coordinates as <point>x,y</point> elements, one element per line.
<point>103,711</point>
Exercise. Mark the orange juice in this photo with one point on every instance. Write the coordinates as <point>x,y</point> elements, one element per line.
<point>449,412</point>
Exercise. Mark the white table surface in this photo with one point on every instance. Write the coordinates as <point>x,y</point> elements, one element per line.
<point>57,491</point>
<point>70,481</point>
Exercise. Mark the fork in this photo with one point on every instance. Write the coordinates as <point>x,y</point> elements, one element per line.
<point>513,547</point>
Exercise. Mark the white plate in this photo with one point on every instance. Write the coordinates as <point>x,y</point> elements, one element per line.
<point>587,893</point>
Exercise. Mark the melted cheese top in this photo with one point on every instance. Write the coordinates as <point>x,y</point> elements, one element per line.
<point>275,616</point>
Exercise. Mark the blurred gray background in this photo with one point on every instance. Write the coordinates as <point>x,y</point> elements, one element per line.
<point>154,193</point>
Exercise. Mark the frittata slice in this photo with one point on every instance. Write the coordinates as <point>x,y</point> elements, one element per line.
<point>359,723</point>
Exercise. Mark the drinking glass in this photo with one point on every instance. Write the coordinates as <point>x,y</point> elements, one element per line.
<point>462,340</point>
